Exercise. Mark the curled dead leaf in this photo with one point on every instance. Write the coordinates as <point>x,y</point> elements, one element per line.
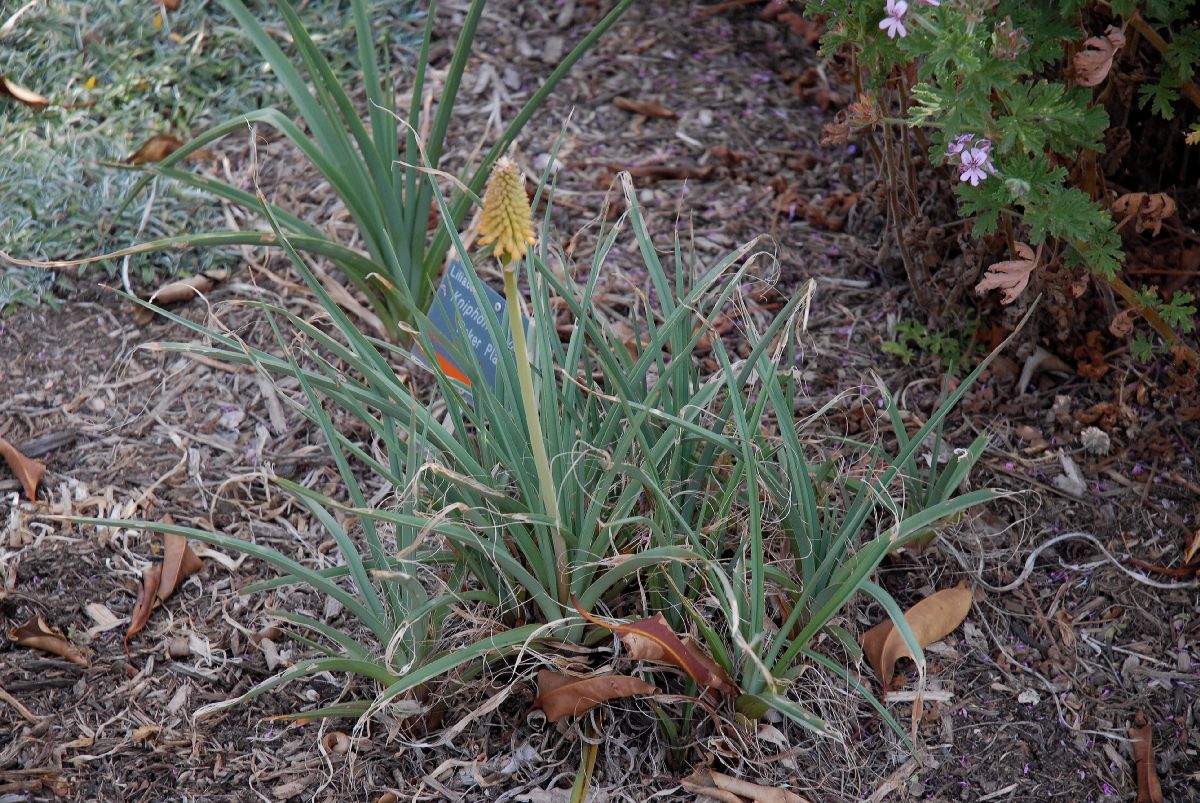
<point>1147,209</point>
<point>160,580</point>
<point>1122,323</point>
<point>650,108</point>
<point>147,599</point>
<point>1093,63</point>
<point>931,619</point>
<point>1192,549</point>
<point>155,149</point>
<point>839,132</point>
<point>179,563</point>
<point>1149,789</point>
<point>718,786</point>
<point>9,89</point>
<point>653,640</point>
<point>336,742</point>
<point>38,635</point>
<point>561,696</point>
<point>179,291</point>
<point>27,470</point>
<point>1011,276</point>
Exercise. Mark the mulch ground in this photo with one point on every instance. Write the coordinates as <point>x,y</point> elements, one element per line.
<point>1031,700</point>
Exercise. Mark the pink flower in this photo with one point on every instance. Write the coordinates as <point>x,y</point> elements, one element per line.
<point>893,23</point>
<point>931,2</point>
<point>959,143</point>
<point>975,166</point>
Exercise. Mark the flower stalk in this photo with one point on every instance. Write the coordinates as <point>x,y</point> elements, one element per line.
<point>507,222</point>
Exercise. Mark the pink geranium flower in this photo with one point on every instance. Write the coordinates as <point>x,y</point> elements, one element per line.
<point>959,144</point>
<point>893,23</point>
<point>975,166</point>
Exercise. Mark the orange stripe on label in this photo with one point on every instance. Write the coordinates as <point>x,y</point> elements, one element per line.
<point>452,370</point>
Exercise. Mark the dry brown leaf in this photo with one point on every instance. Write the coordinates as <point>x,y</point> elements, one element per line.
<point>8,89</point>
<point>653,640</point>
<point>160,580</point>
<point>1122,323</point>
<point>719,786</point>
<point>169,5</point>
<point>1149,790</point>
<point>179,563</point>
<point>155,149</point>
<point>1095,60</point>
<point>563,696</point>
<point>27,470</point>
<point>1011,276</point>
<point>650,108</point>
<point>1148,210</point>
<point>1192,549</point>
<point>147,599</point>
<point>40,636</point>
<point>179,291</point>
<point>931,619</point>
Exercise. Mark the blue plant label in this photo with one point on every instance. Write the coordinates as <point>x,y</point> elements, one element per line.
<point>458,316</point>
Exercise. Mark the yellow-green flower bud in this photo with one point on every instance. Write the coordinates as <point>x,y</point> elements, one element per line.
<point>507,219</point>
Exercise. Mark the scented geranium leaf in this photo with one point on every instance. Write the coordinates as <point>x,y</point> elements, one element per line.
<point>1142,348</point>
<point>1042,113</point>
<point>1179,312</point>
<point>1160,97</point>
<point>983,203</point>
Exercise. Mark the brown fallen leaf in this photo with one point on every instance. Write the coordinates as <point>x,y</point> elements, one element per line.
<point>40,636</point>
<point>931,619</point>
<point>561,696</point>
<point>1011,276</point>
<point>155,149</point>
<point>9,89</point>
<point>719,786</point>
<point>653,640</point>
<point>169,5</point>
<point>1192,549</point>
<point>1122,323</point>
<point>179,291</point>
<point>1095,60</point>
<point>650,108</point>
<point>1147,209</point>
<point>27,470</point>
<point>1149,790</point>
<point>179,563</point>
<point>160,580</point>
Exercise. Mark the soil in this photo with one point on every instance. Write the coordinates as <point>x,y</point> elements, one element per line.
<point>1031,700</point>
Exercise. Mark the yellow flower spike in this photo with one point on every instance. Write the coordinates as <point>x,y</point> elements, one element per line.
<point>507,219</point>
